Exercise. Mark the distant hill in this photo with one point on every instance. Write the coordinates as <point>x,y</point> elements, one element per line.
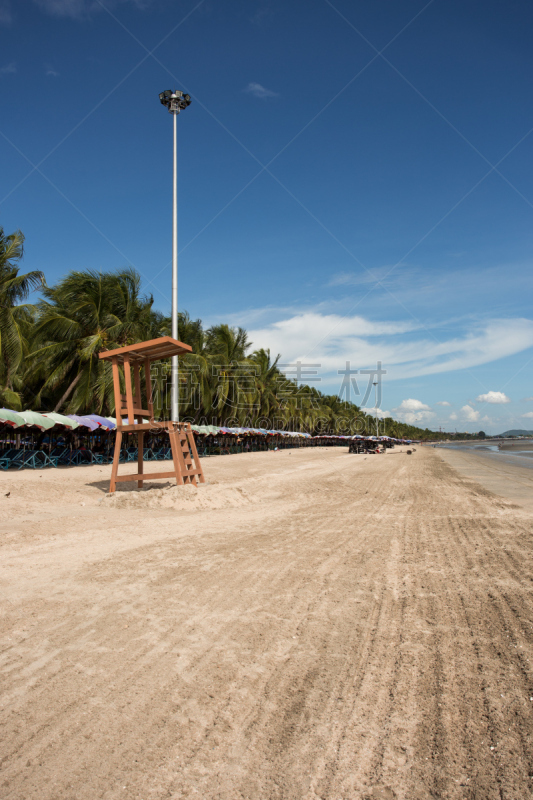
<point>516,433</point>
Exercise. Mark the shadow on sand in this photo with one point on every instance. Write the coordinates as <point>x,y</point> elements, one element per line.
<point>103,486</point>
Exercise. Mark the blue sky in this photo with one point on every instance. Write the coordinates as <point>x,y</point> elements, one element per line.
<point>355,179</point>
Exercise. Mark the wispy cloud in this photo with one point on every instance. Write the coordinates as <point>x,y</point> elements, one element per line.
<point>52,72</point>
<point>260,16</point>
<point>403,347</point>
<point>5,13</point>
<point>364,277</point>
<point>529,415</point>
<point>433,286</point>
<point>9,69</point>
<point>442,403</point>
<point>80,9</point>
<point>75,9</point>
<point>259,91</point>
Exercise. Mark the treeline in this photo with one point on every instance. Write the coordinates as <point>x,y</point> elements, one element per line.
<point>49,357</point>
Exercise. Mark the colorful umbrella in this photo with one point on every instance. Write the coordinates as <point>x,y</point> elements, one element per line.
<point>34,420</point>
<point>86,422</point>
<point>105,422</point>
<point>60,419</point>
<point>12,418</point>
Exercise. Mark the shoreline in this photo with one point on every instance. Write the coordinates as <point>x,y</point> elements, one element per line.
<point>511,478</point>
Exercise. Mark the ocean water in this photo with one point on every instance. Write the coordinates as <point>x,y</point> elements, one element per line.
<point>517,458</point>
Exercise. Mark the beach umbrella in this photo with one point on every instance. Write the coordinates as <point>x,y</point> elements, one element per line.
<point>11,418</point>
<point>201,429</point>
<point>85,422</point>
<point>104,422</point>
<point>35,420</point>
<point>60,419</point>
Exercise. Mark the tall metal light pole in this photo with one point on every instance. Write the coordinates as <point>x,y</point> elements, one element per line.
<point>377,428</point>
<point>175,102</point>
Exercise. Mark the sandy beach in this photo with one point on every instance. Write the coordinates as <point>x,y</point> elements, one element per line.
<point>310,624</point>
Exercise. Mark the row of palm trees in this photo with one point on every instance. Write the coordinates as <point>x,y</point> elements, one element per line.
<point>49,356</point>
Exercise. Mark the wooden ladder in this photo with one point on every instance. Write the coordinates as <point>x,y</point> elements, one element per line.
<point>185,455</point>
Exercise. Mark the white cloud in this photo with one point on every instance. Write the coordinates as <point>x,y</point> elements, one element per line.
<point>413,412</point>
<point>453,416</point>
<point>528,398</point>
<point>442,403</point>
<point>372,412</point>
<point>51,71</point>
<point>468,413</point>
<point>403,347</point>
<point>493,397</point>
<point>529,415</point>
<point>259,91</point>
<point>9,69</point>
<point>412,405</point>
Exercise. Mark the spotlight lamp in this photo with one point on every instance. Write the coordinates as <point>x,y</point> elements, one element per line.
<point>175,101</point>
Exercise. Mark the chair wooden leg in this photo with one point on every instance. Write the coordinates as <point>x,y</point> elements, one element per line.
<point>116,458</point>
<point>174,446</point>
<point>140,457</point>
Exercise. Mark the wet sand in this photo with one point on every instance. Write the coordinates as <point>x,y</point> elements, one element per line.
<point>519,446</point>
<point>311,624</point>
<point>509,476</point>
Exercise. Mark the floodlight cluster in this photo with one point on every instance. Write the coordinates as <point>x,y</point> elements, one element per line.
<point>175,101</point>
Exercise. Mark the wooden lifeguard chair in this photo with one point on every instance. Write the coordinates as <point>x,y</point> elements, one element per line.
<point>187,467</point>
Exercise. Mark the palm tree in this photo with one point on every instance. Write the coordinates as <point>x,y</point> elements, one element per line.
<point>231,344</point>
<point>85,313</point>
<point>225,352</point>
<point>14,318</point>
<point>266,377</point>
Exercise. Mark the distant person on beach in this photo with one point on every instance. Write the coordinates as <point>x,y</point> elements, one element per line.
<point>85,453</point>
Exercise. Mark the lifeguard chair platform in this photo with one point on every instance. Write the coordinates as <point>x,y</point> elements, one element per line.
<point>129,407</point>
